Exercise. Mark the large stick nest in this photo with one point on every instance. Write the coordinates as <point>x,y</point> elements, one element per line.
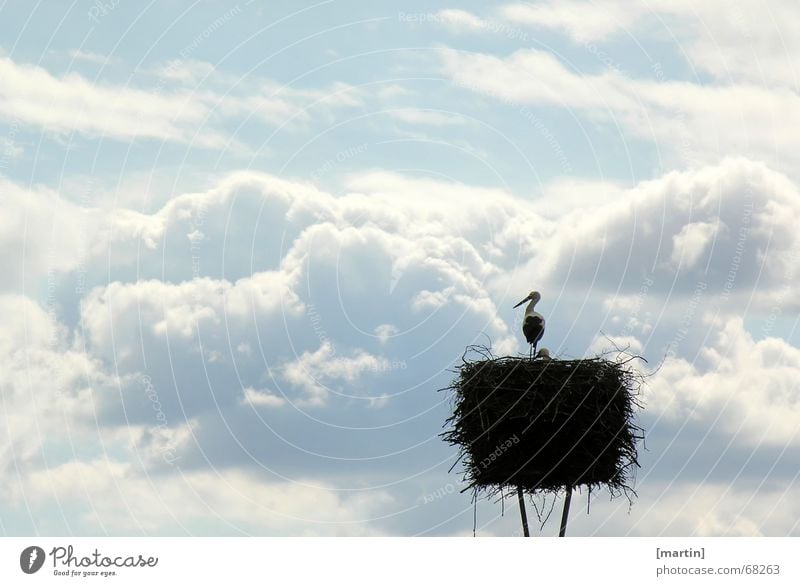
<point>545,424</point>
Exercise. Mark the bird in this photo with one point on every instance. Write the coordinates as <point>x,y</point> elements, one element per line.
<point>544,354</point>
<point>533,323</point>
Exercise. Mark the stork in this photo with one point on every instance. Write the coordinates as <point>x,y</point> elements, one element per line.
<point>533,323</point>
<point>544,354</point>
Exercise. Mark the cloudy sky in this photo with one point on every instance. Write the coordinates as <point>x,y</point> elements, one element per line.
<point>244,244</point>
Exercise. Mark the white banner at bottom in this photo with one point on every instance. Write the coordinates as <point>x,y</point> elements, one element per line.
<point>378,561</point>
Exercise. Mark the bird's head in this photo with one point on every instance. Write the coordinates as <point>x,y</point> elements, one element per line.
<point>543,353</point>
<point>532,296</point>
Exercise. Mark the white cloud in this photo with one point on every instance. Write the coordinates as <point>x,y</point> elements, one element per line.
<point>385,331</point>
<point>706,509</point>
<point>262,398</point>
<point>195,326</point>
<point>530,76</point>
<point>180,313</point>
<point>460,20</point>
<point>739,387</point>
<point>583,21</point>
<point>427,117</point>
<point>430,299</point>
<point>9,151</point>
<point>89,57</point>
<point>316,372</point>
<point>565,195</point>
<point>178,108</point>
<point>750,41</point>
<point>691,242</point>
<point>460,250</point>
<point>119,498</point>
<point>189,71</point>
<point>70,103</point>
<point>615,346</point>
<point>227,344</point>
<point>280,105</point>
<point>182,316</point>
<point>728,213</point>
<point>39,232</point>
<point>699,123</point>
<point>629,313</point>
<point>303,232</point>
<point>50,388</point>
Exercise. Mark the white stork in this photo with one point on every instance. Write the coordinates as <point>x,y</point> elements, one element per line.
<point>544,354</point>
<point>533,323</point>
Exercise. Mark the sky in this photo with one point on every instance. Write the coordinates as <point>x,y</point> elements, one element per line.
<point>245,244</point>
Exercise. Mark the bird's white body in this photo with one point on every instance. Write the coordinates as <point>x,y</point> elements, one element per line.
<point>533,325</point>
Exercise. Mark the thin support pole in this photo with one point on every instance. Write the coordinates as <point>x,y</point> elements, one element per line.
<point>565,514</point>
<point>522,513</point>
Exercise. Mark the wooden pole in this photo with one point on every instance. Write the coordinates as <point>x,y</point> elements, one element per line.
<point>522,513</point>
<point>565,514</point>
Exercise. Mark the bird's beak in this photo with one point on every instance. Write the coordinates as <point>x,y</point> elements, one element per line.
<point>521,302</point>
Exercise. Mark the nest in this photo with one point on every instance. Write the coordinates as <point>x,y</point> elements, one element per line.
<point>545,424</point>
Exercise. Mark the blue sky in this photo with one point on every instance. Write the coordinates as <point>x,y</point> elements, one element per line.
<point>245,243</point>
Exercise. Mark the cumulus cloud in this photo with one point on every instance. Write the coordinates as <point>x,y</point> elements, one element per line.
<point>738,387</point>
<point>39,232</point>
<point>721,222</point>
<point>691,242</point>
<point>313,372</point>
<point>259,354</point>
<point>251,312</point>
<point>50,385</point>
<point>298,315</point>
<point>188,271</point>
